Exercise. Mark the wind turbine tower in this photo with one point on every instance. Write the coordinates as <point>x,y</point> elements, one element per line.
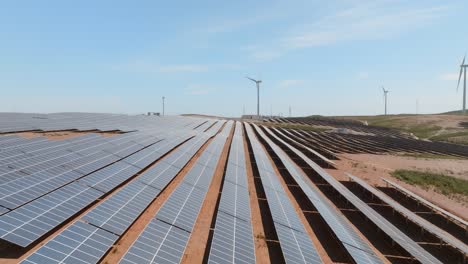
<point>257,82</point>
<point>463,70</point>
<point>163,99</point>
<point>385,97</point>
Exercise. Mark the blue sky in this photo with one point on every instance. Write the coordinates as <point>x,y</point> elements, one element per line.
<point>320,57</point>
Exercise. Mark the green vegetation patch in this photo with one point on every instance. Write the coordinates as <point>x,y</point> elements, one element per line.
<point>442,183</point>
<point>456,137</point>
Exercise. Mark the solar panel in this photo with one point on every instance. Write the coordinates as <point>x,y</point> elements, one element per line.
<point>3,210</point>
<point>159,243</point>
<point>166,236</point>
<point>118,212</point>
<point>404,241</point>
<point>79,243</point>
<point>233,239</point>
<point>359,250</point>
<point>28,223</point>
<point>431,228</point>
<point>295,244</point>
<point>110,177</point>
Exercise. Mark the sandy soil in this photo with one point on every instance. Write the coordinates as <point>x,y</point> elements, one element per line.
<point>374,167</point>
<point>196,246</point>
<point>261,247</point>
<point>61,135</point>
<point>452,167</point>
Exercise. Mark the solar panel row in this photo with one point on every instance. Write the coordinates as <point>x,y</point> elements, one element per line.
<point>13,122</point>
<point>295,244</point>
<point>79,243</point>
<point>399,237</point>
<point>23,189</point>
<point>358,249</point>
<point>49,206</point>
<point>431,228</point>
<point>233,239</point>
<point>164,239</point>
<point>119,211</point>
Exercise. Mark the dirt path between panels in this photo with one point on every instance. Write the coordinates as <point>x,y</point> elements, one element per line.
<point>197,244</point>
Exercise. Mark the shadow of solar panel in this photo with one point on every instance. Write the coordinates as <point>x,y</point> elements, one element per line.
<point>78,243</point>
<point>3,210</point>
<point>29,222</point>
<point>159,243</point>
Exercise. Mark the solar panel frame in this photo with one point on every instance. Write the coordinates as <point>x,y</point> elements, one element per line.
<point>79,243</point>
<point>28,223</point>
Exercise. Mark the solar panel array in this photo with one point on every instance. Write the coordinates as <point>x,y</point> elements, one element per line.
<point>431,228</point>
<point>165,237</point>
<point>233,239</point>
<point>48,182</point>
<point>358,249</point>
<point>119,211</point>
<point>96,187</point>
<point>12,122</point>
<point>296,245</point>
<point>399,237</point>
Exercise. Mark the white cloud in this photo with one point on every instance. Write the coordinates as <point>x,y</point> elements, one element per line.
<point>449,76</point>
<point>141,66</point>
<point>363,21</point>
<point>290,83</point>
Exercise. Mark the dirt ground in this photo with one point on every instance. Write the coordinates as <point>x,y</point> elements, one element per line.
<point>61,135</point>
<point>374,167</point>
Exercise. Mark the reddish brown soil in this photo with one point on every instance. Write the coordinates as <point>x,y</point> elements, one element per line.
<point>261,247</point>
<point>321,251</point>
<point>374,167</point>
<point>196,246</point>
<point>121,247</point>
<point>61,135</point>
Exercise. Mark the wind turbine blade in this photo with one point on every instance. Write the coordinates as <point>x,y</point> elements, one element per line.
<point>463,61</point>
<point>250,79</point>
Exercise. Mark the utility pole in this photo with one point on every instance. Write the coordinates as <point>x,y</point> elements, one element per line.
<point>163,112</point>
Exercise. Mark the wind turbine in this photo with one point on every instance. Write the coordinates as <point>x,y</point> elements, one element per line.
<point>258,93</point>
<point>463,70</point>
<point>385,97</point>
